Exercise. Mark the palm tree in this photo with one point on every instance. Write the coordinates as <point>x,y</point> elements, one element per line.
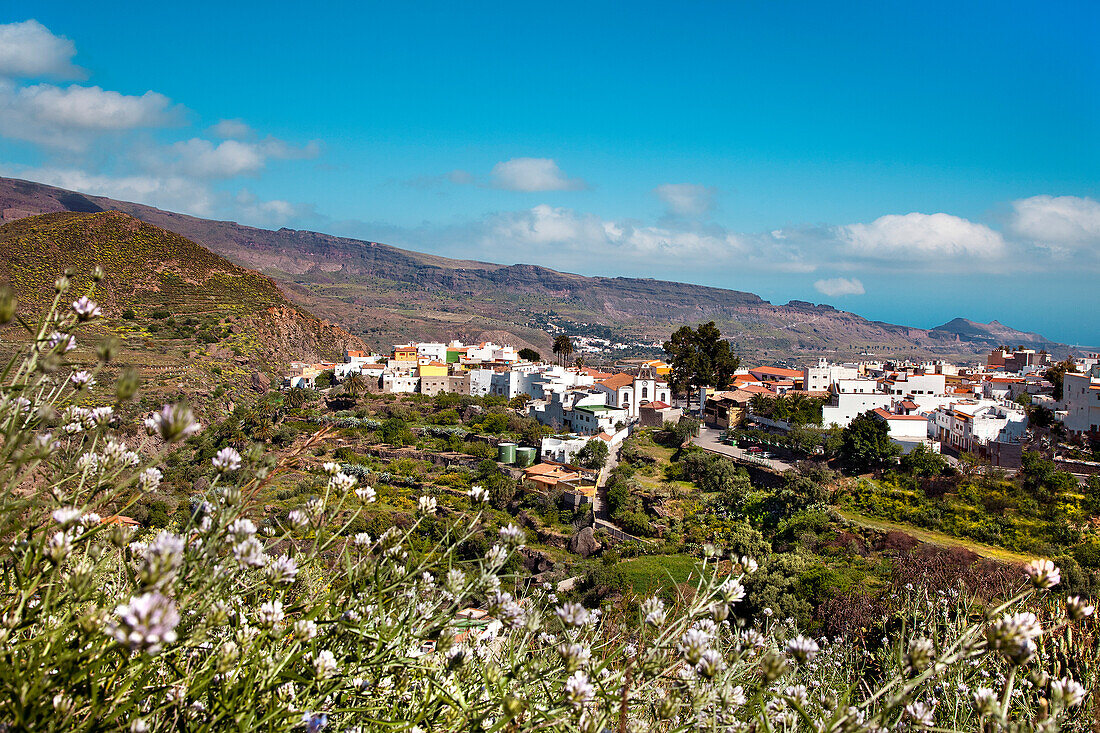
<point>761,405</point>
<point>563,347</point>
<point>355,384</point>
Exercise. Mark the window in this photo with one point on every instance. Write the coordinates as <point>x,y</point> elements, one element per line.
<point>645,393</point>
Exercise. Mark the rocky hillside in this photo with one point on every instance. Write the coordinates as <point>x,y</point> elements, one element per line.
<point>386,294</point>
<point>160,287</point>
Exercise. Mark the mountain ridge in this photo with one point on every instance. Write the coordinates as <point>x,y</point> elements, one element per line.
<point>387,294</point>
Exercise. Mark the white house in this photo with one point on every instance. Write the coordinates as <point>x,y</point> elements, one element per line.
<point>970,425</point>
<point>1081,398</point>
<point>593,419</point>
<point>400,383</point>
<point>908,431</point>
<point>481,382</point>
<point>432,351</point>
<point>822,377</point>
<point>562,448</point>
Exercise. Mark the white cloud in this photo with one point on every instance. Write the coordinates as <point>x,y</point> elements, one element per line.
<point>533,174</point>
<point>686,199</point>
<point>274,213</point>
<point>29,50</point>
<point>234,129</point>
<point>549,227</point>
<point>923,238</point>
<point>204,159</point>
<point>72,116</point>
<point>1060,224</point>
<point>839,286</point>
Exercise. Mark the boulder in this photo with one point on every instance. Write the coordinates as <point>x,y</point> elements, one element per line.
<point>261,382</point>
<point>584,542</point>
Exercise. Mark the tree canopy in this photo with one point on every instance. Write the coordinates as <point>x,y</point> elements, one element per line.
<point>865,443</point>
<point>700,357</point>
<point>563,347</point>
<point>529,355</point>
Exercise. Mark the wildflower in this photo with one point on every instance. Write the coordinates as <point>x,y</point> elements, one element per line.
<point>710,663</point>
<point>63,343</point>
<point>512,536</point>
<point>749,565</point>
<point>173,423</point>
<point>1078,609</point>
<point>341,483</point>
<point>161,560</point>
<point>653,611</point>
<point>226,460</point>
<point>920,715</point>
<point>331,468</point>
<point>305,629</point>
<point>361,539</point>
<point>572,614</point>
<point>145,622</point>
<point>249,552</point>
<point>366,494</point>
<point>798,693</point>
<point>297,518</point>
<point>67,516</point>
<point>426,504</point>
<point>578,690</point>
<point>1043,574</point>
<point>242,529</point>
<point>270,613</point>
<point>1068,692</point>
<point>282,570</point>
<point>1014,634</point>
<point>574,655</point>
<point>478,494</point>
<point>138,725</point>
<point>90,519</point>
<point>324,664</point>
<point>63,704</point>
<point>802,648</point>
<point>149,479</point>
<point>60,546</point>
<point>82,379</point>
<point>920,654</point>
<point>314,722</point>
<point>693,644</point>
<point>731,590</point>
<point>496,557</point>
<point>86,309</point>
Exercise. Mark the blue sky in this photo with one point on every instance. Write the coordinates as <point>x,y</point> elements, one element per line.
<point>911,163</point>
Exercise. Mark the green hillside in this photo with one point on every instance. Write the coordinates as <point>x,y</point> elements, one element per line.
<point>146,268</point>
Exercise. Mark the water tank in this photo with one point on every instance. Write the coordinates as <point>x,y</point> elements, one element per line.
<point>506,453</point>
<point>525,457</point>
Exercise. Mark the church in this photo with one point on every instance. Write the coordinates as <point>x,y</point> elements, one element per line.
<point>631,392</point>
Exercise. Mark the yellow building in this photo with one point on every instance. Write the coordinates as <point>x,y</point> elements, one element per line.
<point>662,369</point>
<point>432,369</point>
<point>404,353</point>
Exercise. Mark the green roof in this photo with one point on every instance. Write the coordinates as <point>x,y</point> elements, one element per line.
<point>595,408</point>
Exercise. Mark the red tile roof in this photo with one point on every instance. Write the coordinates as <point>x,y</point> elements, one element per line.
<point>658,405</point>
<point>617,381</point>
<point>777,372</point>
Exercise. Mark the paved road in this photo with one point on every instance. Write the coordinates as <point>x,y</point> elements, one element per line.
<point>711,439</point>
